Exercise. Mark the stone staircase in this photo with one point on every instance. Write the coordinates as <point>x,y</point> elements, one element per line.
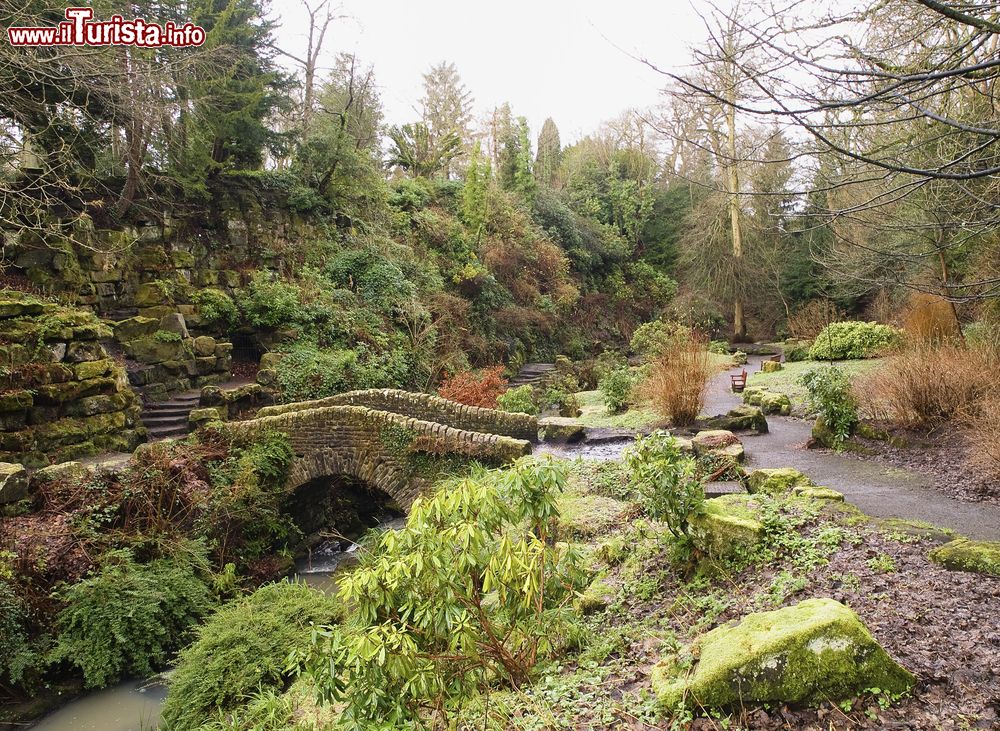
<point>166,419</point>
<point>530,374</point>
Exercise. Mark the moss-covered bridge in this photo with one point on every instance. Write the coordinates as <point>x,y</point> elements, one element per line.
<point>395,441</point>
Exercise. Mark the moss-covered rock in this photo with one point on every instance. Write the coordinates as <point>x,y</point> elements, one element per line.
<point>15,401</point>
<point>155,349</point>
<point>817,650</point>
<point>776,481</point>
<point>776,403</point>
<point>814,492</point>
<point>560,429</point>
<point>135,327</point>
<point>93,369</point>
<point>742,418</point>
<point>13,483</point>
<point>728,525</point>
<point>718,445</point>
<point>597,597</point>
<point>585,516</point>
<point>198,417</point>
<point>770,366</point>
<point>66,471</point>
<point>204,346</point>
<point>980,557</point>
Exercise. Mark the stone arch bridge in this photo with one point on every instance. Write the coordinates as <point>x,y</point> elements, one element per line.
<point>396,441</point>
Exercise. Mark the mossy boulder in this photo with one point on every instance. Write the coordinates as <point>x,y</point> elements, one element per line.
<point>15,401</point>
<point>204,346</point>
<point>775,403</point>
<point>93,369</point>
<point>742,418</point>
<point>559,429</point>
<point>13,483</point>
<point>979,557</point>
<point>155,349</point>
<point>152,294</point>
<point>597,597</point>
<point>727,526</point>
<point>753,395</point>
<point>72,471</point>
<point>776,481</point>
<point>135,327</point>
<point>84,351</point>
<point>817,650</point>
<point>718,444</point>
<point>770,366</point>
<point>815,492</point>
<point>198,417</point>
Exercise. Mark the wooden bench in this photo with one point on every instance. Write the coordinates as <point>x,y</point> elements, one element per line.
<point>739,382</point>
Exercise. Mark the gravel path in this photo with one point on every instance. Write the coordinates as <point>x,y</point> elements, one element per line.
<point>876,488</point>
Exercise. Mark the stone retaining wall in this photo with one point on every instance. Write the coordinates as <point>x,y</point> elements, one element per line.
<point>427,408</point>
<point>388,451</point>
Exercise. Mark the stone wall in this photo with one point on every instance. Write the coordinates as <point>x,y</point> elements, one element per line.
<point>427,408</point>
<point>391,452</point>
<point>62,396</point>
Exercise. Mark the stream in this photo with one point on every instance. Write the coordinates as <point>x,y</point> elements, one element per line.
<point>134,705</point>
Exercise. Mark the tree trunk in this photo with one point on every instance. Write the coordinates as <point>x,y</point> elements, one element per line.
<point>732,173</point>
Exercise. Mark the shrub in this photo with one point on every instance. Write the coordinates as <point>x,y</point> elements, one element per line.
<point>310,372</point>
<point>929,319</point>
<point>666,480</point>
<point>269,302</point>
<point>719,347</point>
<point>519,400</point>
<point>127,618</point>
<point>473,388</point>
<point>652,338</point>
<point>479,594</point>
<point>20,661</point>
<point>243,648</point>
<point>850,340</point>
<point>216,309</point>
<point>984,437</point>
<point>811,319</point>
<point>795,352</point>
<point>560,394</point>
<point>924,385</point>
<point>829,395</point>
<point>676,380</point>
<point>616,388</point>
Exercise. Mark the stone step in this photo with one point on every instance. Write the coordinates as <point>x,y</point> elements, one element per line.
<point>152,422</point>
<point>718,489</point>
<point>163,432</point>
<point>175,411</point>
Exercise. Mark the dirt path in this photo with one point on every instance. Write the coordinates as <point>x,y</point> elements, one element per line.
<point>877,489</point>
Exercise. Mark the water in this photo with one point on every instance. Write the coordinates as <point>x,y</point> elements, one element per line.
<point>135,705</point>
<point>130,706</point>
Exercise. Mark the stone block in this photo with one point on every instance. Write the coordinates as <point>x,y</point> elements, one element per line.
<point>13,483</point>
<point>93,369</point>
<point>204,346</point>
<point>135,327</point>
<point>174,323</point>
<point>980,557</point>
<point>727,526</point>
<point>84,351</point>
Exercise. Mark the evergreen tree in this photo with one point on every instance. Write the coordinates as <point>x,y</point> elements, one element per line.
<point>524,179</point>
<point>549,154</point>
<point>475,192</point>
<point>446,105</point>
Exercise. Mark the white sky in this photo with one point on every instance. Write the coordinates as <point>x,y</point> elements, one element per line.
<point>561,58</point>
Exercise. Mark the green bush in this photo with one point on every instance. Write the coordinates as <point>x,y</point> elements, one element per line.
<point>216,309</point>
<point>242,649</point>
<point>519,400</point>
<point>129,617</point>
<point>616,388</point>
<point>666,480</point>
<point>719,347</point>
<point>796,352</point>
<point>270,302</point>
<point>309,372</point>
<point>850,340</point>
<point>829,395</point>
<point>468,596</point>
<point>20,661</point>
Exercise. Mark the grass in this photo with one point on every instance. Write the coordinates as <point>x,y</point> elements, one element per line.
<point>786,380</point>
<point>596,415</point>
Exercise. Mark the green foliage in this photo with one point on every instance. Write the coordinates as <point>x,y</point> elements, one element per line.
<point>518,400</point>
<point>309,372</point>
<point>470,593</point>
<point>829,395</point>
<point>652,338</point>
<point>719,347</point>
<point>850,340</point>
<point>166,336</point>
<point>797,352</point>
<point>616,388</point>
<point>20,660</point>
<point>216,309</point>
<point>242,649</point>
<point>666,479</point>
<point>126,619</point>
<point>269,302</point>
<point>377,279</point>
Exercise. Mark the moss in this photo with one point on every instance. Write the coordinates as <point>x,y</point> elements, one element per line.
<point>775,403</point>
<point>814,651</point>
<point>93,369</point>
<point>585,516</point>
<point>561,429</point>
<point>770,366</point>
<point>812,492</point>
<point>727,526</point>
<point>741,418</point>
<point>397,440</point>
<point>15,401</point>
<point>980,557</point>
<point>597,597</point>
<point>776,481</point>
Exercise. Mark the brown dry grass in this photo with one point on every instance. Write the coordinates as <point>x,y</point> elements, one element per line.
<point>925,385</point>
<point>930,319</point>
<point>809,320</point>
<point>983,430</point>
<point>675,385</point>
